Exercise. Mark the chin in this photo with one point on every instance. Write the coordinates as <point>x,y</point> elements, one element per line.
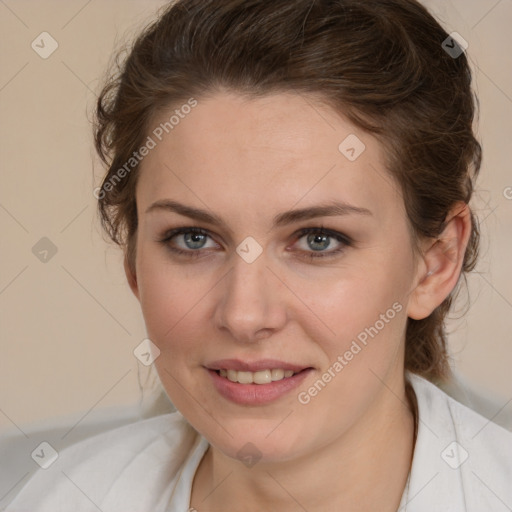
<point>253,445</point>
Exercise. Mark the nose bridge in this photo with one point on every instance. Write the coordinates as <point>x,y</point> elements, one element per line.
<point>251,302</point>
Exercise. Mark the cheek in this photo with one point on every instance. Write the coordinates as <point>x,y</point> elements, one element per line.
<point>367,313</point>
<point>347,306</point>
<point>171,305</point>
<point>168,299</point>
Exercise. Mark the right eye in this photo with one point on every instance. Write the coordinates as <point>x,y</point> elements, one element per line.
<point>193,241</point>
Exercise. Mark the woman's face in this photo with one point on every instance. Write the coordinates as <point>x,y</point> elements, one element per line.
<point>254,293</point>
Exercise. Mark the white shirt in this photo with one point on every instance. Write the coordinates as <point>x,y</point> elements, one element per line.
<point>462,463</point>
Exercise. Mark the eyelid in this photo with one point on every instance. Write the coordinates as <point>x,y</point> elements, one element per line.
<point>324,231</point>
<point>174,232</point>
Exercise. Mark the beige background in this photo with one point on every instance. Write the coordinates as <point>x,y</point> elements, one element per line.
<point>69,326</point>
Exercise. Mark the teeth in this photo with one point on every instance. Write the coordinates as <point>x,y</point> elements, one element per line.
<point>261,377</point>
<point>277,374</point>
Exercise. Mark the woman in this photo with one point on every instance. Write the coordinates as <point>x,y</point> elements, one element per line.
<point>290,182</point>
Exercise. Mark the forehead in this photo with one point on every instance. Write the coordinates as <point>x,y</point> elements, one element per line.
<point>254,154</point>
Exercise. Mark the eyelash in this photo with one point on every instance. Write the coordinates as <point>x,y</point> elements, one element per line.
<point>343,239</point>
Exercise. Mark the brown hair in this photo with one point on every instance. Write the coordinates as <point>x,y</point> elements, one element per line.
<point>380,63</point>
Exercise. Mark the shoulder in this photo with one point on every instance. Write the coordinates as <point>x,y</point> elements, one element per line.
<point>469,424</point>
<point>136,464</point>
<point>464,457</point>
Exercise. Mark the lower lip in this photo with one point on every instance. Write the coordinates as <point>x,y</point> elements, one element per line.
<point>257,394</point>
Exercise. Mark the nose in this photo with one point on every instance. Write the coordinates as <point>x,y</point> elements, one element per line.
<point>253,303</point>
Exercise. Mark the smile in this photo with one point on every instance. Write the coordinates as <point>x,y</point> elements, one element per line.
<point>258,383</point>
<point>260,377</point>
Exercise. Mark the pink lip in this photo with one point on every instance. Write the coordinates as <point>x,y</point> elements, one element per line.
<point>257,394</point>
<point>255,366</point>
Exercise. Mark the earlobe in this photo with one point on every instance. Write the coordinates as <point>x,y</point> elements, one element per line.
<point>443,260</point>
<point>131,276</point>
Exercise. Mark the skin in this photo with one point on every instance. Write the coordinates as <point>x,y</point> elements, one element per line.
<point>350,448</point>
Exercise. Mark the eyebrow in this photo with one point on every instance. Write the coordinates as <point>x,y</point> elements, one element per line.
<point>329,209</point>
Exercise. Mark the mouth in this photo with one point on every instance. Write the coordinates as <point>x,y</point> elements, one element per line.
<point>260,377</point>
<point>256,383</point>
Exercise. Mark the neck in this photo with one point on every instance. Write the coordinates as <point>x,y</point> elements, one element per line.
<point>364,469</point>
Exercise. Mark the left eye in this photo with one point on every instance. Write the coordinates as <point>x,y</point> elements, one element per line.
<point>317,241</point>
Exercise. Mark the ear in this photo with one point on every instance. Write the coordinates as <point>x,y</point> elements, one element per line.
<point>442,263</point>
<point>131,276</point>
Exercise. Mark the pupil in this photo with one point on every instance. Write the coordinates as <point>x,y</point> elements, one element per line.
<point>317,239</point>
<point>196,237</point>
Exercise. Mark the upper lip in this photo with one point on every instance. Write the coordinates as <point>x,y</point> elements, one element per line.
<point>254,366</point>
